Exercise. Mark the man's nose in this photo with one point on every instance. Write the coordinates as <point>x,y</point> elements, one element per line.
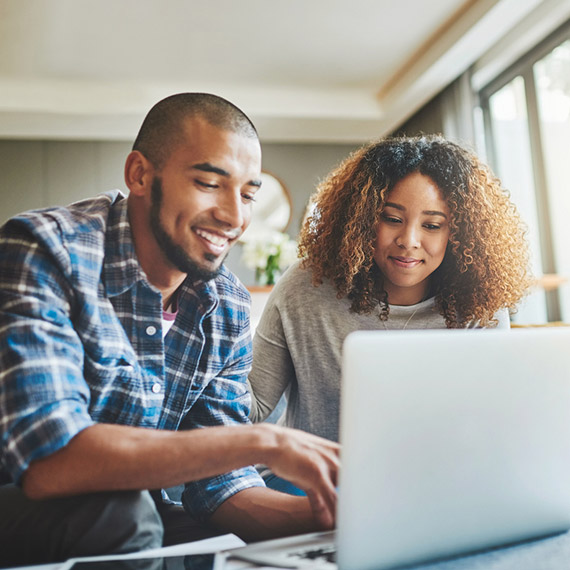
<point>230,208</point>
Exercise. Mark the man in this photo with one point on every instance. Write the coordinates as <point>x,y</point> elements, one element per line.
<point>121,332</point>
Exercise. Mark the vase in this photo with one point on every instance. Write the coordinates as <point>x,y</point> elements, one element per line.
<point>263,277</point>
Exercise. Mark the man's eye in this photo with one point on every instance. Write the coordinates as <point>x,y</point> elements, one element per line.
<point>248,197</point>
<point>206,184</point>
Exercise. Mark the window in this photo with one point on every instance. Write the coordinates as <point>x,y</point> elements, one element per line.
<point>527,126</point>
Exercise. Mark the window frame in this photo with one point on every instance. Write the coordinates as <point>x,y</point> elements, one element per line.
<point>524,67</point>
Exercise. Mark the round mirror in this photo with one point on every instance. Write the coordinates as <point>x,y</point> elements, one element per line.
<point>272,209</point>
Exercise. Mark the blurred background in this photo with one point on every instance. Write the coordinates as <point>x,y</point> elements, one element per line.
<point>318,78</point>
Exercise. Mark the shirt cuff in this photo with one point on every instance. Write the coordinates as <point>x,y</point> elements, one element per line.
<point>202,498</point>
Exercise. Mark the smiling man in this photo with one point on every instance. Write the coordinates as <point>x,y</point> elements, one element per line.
<point>121,332</point>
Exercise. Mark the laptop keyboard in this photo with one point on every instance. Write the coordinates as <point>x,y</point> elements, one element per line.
<point>322,554</point>
<point>312,551</point>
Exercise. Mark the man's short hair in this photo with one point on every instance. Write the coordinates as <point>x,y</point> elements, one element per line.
<point>163,127</point>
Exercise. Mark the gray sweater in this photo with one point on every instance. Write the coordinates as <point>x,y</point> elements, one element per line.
<point>297,348</point>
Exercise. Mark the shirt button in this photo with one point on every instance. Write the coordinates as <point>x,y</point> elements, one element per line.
<point>156,388</point>
<point>150,330</point>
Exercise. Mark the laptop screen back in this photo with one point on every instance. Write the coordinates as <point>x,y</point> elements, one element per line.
<point>452,441</point>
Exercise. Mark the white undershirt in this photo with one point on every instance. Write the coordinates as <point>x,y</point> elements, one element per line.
<point>168,319</point>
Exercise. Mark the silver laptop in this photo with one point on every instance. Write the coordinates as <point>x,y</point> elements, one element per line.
<point>452,441</point>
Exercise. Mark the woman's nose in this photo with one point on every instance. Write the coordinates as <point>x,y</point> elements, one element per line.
<point>408,238</point>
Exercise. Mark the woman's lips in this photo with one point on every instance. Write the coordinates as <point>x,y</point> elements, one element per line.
<point>406,262</point>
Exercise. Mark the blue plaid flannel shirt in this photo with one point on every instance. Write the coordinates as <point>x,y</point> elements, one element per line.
<point>81,342</point>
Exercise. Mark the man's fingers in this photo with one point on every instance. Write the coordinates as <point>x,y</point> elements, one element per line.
<point>324,510</point>
<point>319,482</point>
<point>312,464</point>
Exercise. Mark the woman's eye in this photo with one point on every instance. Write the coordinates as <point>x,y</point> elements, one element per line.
<point>432,226</point>
<point>248,197</point>
<point>390,219</point>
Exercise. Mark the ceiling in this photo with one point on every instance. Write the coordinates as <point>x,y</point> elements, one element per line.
<point>304,70</point>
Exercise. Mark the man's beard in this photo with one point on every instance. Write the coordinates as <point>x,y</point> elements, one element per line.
<point>175,253</point>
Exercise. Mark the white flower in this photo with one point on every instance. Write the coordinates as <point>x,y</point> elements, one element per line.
<point>288,254</point>
<point>278,246</point>
<point>255,254</point>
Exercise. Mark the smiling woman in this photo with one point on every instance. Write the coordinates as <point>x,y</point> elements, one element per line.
<point>412,236</point>
<point>407,233</point>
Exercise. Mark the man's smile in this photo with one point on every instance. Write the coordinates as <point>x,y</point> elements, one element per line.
<point>217,242</point>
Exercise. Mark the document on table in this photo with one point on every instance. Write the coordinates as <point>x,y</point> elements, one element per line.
<point>199,547</point>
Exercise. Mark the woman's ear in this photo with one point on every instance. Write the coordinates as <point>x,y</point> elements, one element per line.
<point>138,173</point>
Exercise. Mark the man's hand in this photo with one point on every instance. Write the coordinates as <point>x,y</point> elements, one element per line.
<point>312,464</point>
<point>309,462</point>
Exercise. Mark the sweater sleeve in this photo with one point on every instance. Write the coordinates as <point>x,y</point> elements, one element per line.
<point>272,371</point>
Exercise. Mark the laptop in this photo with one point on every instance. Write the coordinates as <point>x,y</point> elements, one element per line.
<point>452,442</point>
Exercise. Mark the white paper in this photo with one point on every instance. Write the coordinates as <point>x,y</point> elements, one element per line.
<point>206,546</point>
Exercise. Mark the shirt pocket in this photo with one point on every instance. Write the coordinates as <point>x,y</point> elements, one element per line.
<point>118,392</point>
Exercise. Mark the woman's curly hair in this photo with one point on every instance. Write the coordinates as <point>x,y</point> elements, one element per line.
<point>486,264</point>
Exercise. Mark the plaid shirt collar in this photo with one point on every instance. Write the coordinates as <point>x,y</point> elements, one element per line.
<point>121,267</point>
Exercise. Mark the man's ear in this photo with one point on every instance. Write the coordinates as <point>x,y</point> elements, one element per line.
<point>138,173</point>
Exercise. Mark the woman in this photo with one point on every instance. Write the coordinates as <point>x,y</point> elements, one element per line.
<point>407,233</point>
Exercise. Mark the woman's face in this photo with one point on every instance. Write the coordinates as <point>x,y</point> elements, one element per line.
<point>412,238</point>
